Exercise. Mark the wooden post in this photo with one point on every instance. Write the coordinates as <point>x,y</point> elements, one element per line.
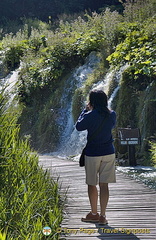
<point>131,155</point>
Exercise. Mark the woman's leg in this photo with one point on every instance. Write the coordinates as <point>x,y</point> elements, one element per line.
<point>93,198</point>
<point>104,197</point>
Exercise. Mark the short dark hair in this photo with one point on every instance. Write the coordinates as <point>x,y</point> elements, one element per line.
<point>98,100</point>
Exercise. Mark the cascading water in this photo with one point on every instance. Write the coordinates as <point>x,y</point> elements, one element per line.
<point>73,141</point>
<point>65,120</point>
<point>8,84</point>
<point>147,175</point>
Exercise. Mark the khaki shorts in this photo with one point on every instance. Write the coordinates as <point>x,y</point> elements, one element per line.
<point>100,168</point>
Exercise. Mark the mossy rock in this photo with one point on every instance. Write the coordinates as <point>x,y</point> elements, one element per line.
<point>78,103</point>
<point>127,102</point>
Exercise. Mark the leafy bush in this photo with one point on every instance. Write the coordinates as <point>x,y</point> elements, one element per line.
<point>12,57</point>
<point>138,10</point>
<point>138,50</point>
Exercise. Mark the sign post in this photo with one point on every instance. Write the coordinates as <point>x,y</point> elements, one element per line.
<point>130,137</point>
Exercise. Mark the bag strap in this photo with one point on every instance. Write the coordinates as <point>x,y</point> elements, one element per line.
<point>97,130</point>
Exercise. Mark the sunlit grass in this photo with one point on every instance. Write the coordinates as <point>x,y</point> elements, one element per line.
<point>30,198</point>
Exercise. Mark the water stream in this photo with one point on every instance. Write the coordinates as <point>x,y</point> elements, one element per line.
<point>8,85</point>
<point>147,175</point>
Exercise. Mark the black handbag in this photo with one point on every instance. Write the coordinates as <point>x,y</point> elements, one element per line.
<point>82,156</point>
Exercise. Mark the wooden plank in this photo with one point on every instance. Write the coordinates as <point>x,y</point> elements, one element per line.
<point>131,210</point>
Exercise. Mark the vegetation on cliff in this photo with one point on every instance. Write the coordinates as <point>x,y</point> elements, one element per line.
<point>48,52</point>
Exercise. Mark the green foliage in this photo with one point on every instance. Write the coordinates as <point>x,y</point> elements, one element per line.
<point>12,57</point>
<point>47,55</point>
<point>138,50</point>
<point>110,27</point>
<point>30,198</point>
<point>127,101</point>
<point>146,114</point>
<point>138,10</point>
<point>41,118</point>
<point>136,107</point>
<point>48,52</point>
<point>153,153</point>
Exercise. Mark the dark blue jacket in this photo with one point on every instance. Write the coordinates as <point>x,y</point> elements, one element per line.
<point>102,143</point>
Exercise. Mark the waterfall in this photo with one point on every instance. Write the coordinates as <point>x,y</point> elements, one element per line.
<point>1,65</point>
<point>73,141</point>
<point>65,120</point>
<point>110,100</point>
<point>8,84</point>
<point>105,83</point>
<point>111,76</point>
<point>75,80</point>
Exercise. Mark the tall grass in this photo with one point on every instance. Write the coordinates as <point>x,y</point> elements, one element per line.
<point>30,198</point>
<point>153,153</point>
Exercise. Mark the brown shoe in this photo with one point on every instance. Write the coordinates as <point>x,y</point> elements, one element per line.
<point>102,220</point>
<point>91,218</point>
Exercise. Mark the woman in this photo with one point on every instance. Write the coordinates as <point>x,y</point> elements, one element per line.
<point>99,121</point>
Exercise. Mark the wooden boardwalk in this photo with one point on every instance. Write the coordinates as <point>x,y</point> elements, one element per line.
<point>131,211</point>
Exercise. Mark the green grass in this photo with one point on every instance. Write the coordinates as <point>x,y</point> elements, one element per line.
<point>30,198</point>
<point>153,153</point>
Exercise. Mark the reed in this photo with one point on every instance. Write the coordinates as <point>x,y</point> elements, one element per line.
<point>30,198</point>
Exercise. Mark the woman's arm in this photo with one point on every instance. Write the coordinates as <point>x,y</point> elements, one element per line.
<point>81,122</point>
